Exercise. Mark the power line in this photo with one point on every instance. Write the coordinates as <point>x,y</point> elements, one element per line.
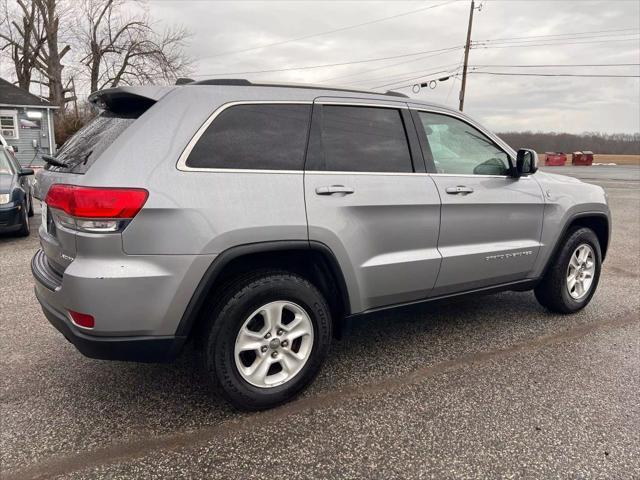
<point>328,32</point>
<point>387,77</point>
<point>453,84</point>
<point>549,44</point>
<point>384,67</point>
<point>428,76</point>
<point>602,38</point>
<point>307,67</point>
<point>562,65</point>
<point>366,80</point>
<point>414,78</point>
<point>453,79</point>
<point>562,34</point>
<point>554,75</point>
<point>564,37</point>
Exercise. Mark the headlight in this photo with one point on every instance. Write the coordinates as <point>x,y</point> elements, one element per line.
<point>4,198</point>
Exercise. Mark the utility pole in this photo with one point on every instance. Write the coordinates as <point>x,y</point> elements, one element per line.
<point>466,56</point>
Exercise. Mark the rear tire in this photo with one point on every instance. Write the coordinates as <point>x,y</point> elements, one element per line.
<point>266,338</point>
<point>571,281</point>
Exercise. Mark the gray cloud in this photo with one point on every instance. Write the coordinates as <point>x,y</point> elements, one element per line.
<point>502,103</point>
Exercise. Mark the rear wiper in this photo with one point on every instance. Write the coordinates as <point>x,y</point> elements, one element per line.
<point>51,160</point>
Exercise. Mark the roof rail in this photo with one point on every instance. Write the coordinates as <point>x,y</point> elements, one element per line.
<point>242,82</point>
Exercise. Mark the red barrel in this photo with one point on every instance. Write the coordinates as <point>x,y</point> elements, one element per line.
<point>555,159</point>
<point>582,158</point>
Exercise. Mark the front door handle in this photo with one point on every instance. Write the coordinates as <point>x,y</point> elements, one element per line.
<point>334,189</point>
<point>459,190</point>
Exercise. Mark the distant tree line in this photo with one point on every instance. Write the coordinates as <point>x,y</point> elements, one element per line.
<point>603,143</point>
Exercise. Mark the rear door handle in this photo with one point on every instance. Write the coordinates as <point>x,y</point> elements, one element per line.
<point>459,190</point>
<point>334,189</point>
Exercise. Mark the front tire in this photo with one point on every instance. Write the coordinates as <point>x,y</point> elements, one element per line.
<point>266,340</point>
<point>571,281</point>
<point>24,225</point>
<point>31,212</point>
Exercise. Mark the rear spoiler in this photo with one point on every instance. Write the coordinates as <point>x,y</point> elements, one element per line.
<point>128,99</point>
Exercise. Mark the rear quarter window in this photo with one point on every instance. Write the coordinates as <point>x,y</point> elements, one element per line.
<point>264,137</point>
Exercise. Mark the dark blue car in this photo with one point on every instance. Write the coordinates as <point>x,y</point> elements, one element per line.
<point>16,200</point>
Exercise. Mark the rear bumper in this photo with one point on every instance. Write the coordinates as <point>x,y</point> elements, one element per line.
<point>137,302</point>
<point>135,349</point>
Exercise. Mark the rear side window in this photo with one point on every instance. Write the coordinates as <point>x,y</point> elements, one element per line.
<point>82,149</point>
<point>359,139</point>
<point>265,137</point>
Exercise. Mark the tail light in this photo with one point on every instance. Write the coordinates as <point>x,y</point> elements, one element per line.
<point>94,209</point>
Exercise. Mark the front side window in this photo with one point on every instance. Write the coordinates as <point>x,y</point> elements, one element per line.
<point>359,139</point>
<point>459,148</point>
<point>263,137</point>
<point>9,124</point>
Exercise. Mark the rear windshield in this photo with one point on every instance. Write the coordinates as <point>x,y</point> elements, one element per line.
<point>82,149</point>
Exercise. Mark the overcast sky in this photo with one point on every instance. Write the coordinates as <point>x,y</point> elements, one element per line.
<point>501,102</point>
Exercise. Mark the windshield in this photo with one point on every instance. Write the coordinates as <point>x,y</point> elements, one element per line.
<point>6,165</point>
<point>83,148</point>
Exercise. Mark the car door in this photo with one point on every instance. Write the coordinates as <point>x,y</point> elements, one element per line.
<point>371,202</point>
<point>491,223</point>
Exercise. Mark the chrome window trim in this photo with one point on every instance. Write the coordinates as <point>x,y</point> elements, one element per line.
<point>181,165</point>
<point>388,174</point>
<point>182,161</point>
<point>239,170</point>
<point>475,175</point>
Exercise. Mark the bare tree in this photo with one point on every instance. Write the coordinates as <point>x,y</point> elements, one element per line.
<point>125,49</point>
<point>22,38</point>
<point>34,43</point>
<point>50,58</point>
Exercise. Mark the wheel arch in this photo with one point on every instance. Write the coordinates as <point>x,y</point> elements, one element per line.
<point>599,222</point>
<point>313,260</point>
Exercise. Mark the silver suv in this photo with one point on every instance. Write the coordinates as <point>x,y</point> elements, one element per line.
<point>254,220</point>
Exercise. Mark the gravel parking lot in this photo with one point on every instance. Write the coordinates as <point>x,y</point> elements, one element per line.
<point>484,387</point>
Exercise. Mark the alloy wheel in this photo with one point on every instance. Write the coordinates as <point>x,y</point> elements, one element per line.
<point>274,344</point>
<point>581,271</point>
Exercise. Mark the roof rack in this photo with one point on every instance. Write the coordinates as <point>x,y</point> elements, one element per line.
<point>242,82</point>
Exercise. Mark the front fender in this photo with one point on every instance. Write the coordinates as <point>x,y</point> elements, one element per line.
<point>565,202</point>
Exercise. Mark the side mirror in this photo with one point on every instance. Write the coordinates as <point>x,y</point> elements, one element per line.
<point>526,162</point>
<point>26,171</point>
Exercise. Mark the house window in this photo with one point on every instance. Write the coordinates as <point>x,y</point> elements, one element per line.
<point>9,124</point>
